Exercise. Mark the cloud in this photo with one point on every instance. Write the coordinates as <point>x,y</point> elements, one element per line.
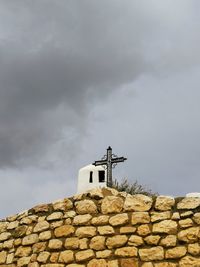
<point>58,60</point>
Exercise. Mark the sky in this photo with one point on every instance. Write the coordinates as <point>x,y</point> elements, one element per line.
<point>79,76</point>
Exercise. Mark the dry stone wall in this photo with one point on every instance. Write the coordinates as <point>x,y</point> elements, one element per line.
<point>104,228</point>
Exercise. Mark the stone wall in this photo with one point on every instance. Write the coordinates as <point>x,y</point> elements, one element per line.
<point>104,228</point>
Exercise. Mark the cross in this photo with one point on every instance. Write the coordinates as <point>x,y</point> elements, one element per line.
<point>109,160</point>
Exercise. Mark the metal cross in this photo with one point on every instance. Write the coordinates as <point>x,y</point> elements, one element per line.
<point>109,160</point>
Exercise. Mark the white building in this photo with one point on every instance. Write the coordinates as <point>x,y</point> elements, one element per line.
<point>90,177</point>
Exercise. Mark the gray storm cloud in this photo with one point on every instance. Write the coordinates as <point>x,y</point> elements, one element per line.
<point>59,58</point>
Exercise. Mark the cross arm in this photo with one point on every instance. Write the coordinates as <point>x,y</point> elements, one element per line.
<point>100,162</point>
<point>117,160</point>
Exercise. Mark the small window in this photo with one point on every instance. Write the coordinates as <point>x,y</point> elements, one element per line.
<point>91,177</point>
<point>101,176</point>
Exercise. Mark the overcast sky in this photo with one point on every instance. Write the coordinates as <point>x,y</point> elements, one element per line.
<point>78,76</point>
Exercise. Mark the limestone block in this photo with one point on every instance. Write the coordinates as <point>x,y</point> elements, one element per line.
<point>194,249</point>
<point>100,220</point>
<point>84,255</point>
<point>103,254</point>
<point>24,261</point>
<point>86,231</point>
<point>160,216</point>
<point>29,219</point>
<point>164,203</point>
<point>126,252</point>
<point>166,226</point>
<point>116,241</point>
<point>119,219</point>
<point>72,243</point>
<point>97,263</point>
<point>10,258</point>
<point>69,214</point>
<point>143,230</point>
<point>189,235</point>
<point>127,230</point>
<point>39,247</point>
<point>41,226</point>
<point>196,218</point>
<point>55,216</point>
<point>129,262</point>
<point>64,231</point>
<point>5,236</point>
<point>66,256</point>
<point>56,224</point>
<point>41,208</point>
<point>12,225</point>
<point>82,219</point>
<point>112,204</point>
<point>83,243</point>
<point>138,203</point>
<point>175,216</point>
<point>29,230</point>
<point>54,257</point>
<point>175,253</point>
<point>23,251</point>
<point>189,203</point>
<point>97,243</point>
<point>17,242</point>
<point>8,244</point>
<point>43,257</point>
<point>147,264</point>
<point>186,223</point>
<point>105,230</point>
<point>46,235</point>
<point>33,264</point>
<point>189,261</point>
<point>30,239</point>
<point>55,244</point>
<point>86,207</point>
<point>140,217</point>
<point>152,239</point>
<point>169,241</point>
<point>3,255</point>
<point>3,227</point>
<point>151,254</point>
<point>113,263</point>
<point>75,265</point>
<point>63,205</point>
<point>135,240</point>
<point>166,264</point>
<point>53,265</point>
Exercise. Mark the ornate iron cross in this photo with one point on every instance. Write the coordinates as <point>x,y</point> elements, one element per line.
<point>109,161</point>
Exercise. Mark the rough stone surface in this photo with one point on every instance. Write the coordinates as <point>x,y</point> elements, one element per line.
<point>164,203</point>
<point>189,235</point>
<point>140,217</point>
<point>150,254</point>
<point>189,203</point>
<point>104,228</point>
<point>86,207</point>
<point>137,203</point>
<point>116,241</point>
<point>119,219</point>
<point>177,252</point>
<point>112,204</point>
<point>166,226</point>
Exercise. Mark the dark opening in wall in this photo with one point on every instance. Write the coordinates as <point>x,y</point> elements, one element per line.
<point>91,177</point>
<point>101,176</point>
